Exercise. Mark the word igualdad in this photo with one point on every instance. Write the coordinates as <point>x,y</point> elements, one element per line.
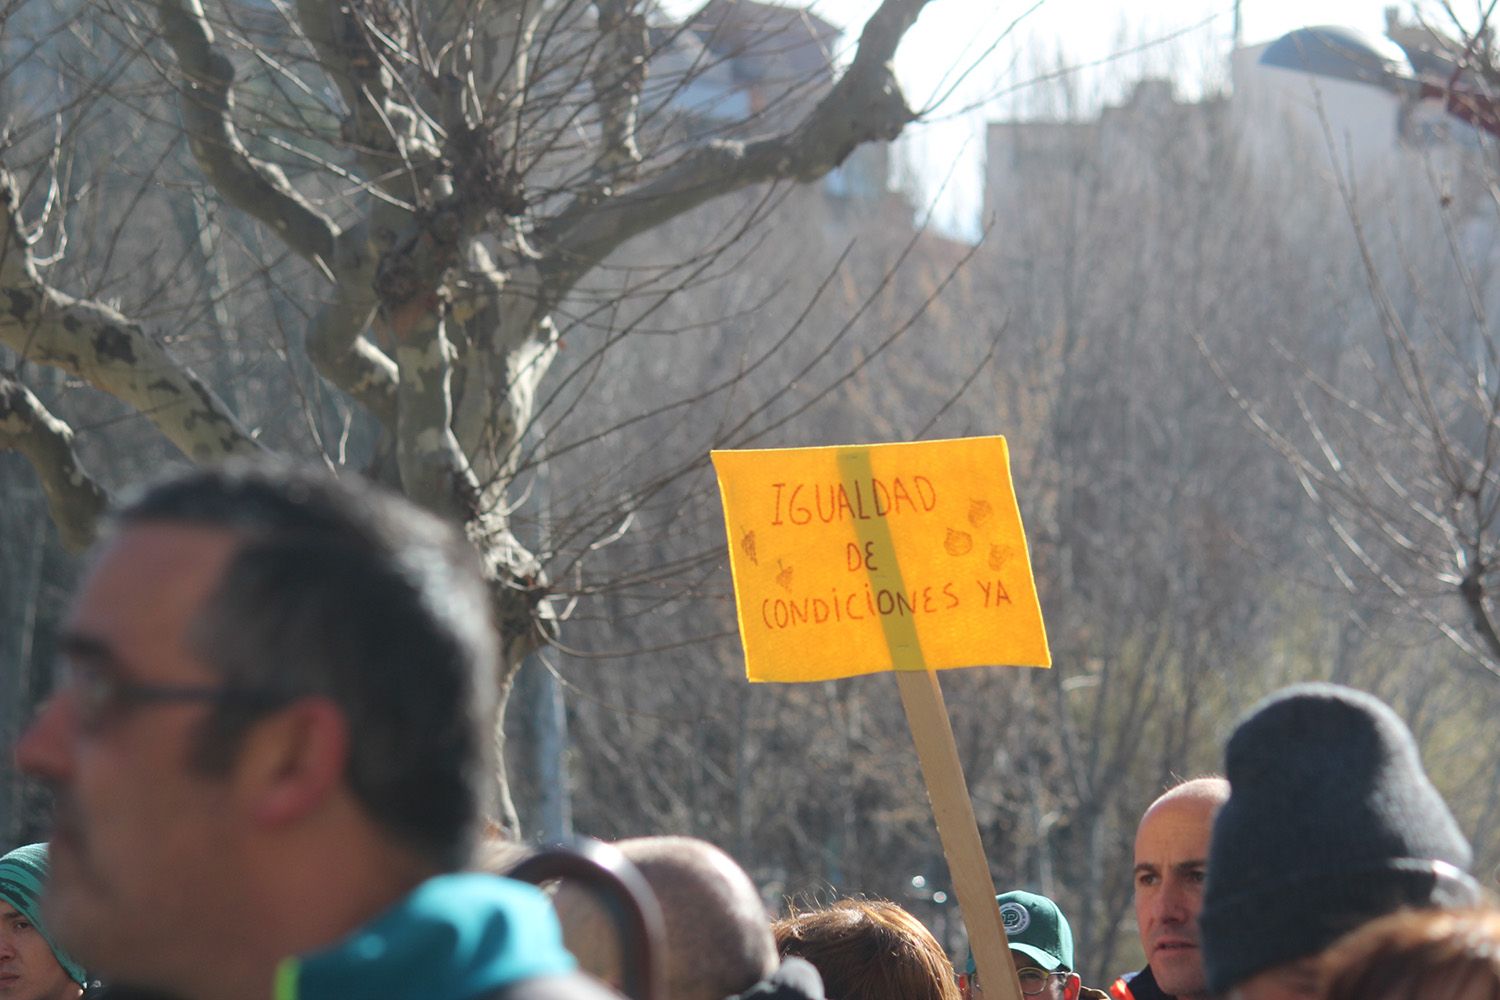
<point>854,500</point>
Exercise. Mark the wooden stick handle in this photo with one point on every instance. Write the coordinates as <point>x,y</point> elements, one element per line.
<point>959,831</point>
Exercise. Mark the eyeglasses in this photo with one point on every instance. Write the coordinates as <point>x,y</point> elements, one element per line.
<point>102,694</point>
<point>1033,981</point>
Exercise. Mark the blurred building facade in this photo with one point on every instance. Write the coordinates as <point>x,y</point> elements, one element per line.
<point>1282,122</point>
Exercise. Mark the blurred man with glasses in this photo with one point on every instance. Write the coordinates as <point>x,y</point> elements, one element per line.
<point>268,745</point>
<point>1041,945</point>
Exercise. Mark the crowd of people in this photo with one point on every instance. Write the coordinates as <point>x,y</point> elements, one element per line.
<point>268,749</point>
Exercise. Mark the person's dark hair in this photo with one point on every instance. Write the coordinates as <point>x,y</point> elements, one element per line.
<point>341,589</point>
<point>1417,955</point>
<point>869,949</point>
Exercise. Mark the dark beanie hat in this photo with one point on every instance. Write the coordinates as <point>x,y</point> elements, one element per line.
<point>1330,822</point>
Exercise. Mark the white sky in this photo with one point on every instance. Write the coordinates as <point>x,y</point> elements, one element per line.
<point>1188,40</point>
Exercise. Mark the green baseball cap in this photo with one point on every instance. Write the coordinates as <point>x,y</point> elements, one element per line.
<point>1037,929</point>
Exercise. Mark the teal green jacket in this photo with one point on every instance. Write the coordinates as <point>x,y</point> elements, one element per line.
<point>456,937</point>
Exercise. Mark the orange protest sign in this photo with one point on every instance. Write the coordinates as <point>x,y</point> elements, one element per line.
<point>858,559</point>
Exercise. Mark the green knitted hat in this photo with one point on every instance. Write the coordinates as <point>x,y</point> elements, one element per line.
<point>23,873</point>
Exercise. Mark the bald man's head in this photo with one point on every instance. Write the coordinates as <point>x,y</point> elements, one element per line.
<point>1171,860</point>
<point>1212,791</point>
<point>719,939</point>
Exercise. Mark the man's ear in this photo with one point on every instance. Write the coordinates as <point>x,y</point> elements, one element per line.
<point>1072,986</point>
<point>292,761</point>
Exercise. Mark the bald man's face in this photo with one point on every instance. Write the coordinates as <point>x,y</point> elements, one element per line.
<point>1171,857</point>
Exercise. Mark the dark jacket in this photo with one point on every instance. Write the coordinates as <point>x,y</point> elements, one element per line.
<point>1138,986</point>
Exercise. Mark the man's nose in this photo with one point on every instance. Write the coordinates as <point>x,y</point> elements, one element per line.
<point>1172,904</point>
<point>45,748</point>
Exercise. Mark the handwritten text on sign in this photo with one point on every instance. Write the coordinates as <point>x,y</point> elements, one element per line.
<point>853,560</point>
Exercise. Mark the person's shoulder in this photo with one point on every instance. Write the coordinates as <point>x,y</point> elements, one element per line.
<point>1143,986</point>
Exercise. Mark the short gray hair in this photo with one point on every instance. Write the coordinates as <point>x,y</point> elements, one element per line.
<point>341,589</point>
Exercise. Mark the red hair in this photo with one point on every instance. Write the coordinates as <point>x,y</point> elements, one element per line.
<point>1417,953</point>
<point>869,949</point>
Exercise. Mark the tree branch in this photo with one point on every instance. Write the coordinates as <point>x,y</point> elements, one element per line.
<point>618,76</point>
<point>1474,593</point>
<point>395,144</point>
<point>434,470</point>
<point>115,354</point>
<point>75,500</point>
<point>345,357</point>
<point>865,105</point>
<point>257,188</point>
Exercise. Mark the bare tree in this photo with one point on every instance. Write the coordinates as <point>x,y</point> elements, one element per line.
<point>400,198</point>
<point>1395,433</point>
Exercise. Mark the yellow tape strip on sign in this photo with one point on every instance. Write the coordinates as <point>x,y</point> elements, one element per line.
<point>937,753</point>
